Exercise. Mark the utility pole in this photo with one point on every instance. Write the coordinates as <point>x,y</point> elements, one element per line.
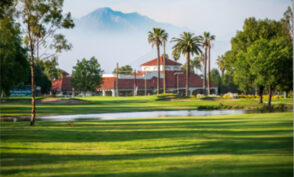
<point>116,84</point>
<point>135,83</point>
<point>145,84</point>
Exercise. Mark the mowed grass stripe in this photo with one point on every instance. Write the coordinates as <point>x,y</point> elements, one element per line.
<point>223,146</point>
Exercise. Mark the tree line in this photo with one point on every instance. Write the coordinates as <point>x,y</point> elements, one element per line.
<point>260,58</point>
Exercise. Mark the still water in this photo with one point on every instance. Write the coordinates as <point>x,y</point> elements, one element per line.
<point>149,114</point>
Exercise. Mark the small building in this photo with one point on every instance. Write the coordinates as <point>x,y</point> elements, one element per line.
<point>61,87</point>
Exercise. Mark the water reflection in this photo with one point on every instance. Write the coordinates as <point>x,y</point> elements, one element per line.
<point>149,114</point>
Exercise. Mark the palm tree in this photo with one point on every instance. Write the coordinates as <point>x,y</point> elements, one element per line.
<point>154,38</point>
<point>196,63</point>
<point>201,58</point>
<point>207,46</point>
<point>187,44</point>
<point>221,64</point>
<point>164,39</point>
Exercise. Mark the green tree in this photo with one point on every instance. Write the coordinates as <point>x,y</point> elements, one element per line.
<point>221,64</point>
<point>14,67</point>
<point>41,78</point>
<point>127,70</point>
<point>236,61</point>
<point>198,62</point>
<point>86,75</point>
<point>42,20</point>
<point>51,69</point>
<point>271,63</point>
<point>227,84</point>
<point>195,65</point>
<point>154,38</point>
<point>216,78</point>
<point>187,44</point>
<point>207,38</point>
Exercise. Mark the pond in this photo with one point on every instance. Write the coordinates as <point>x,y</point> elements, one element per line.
<point>149,114</point>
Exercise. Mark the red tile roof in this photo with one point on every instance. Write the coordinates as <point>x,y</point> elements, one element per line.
<point>108,83</point>
<point>62,83</point>
<point>154,62</point>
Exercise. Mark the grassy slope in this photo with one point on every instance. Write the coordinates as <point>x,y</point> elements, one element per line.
<point>122,104</point>
<point>252,145</point>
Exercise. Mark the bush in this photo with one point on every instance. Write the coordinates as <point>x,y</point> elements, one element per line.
<point>166,96</point>
<point>247,96</point>
<point>230,95</point>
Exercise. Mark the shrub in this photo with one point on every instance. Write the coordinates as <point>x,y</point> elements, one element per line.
<point>166,96</point>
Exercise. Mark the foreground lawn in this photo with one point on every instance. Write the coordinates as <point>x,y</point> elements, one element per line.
<point>123,104</point>
<point>252,145</point>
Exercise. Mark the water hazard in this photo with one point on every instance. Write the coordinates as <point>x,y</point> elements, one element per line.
<point>149,114</point>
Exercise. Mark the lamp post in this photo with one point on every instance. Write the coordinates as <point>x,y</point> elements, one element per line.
<point>178,83</point>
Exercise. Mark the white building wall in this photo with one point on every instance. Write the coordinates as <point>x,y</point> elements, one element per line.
<point>167,68</point>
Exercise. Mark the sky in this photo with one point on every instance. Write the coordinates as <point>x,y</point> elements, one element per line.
<point>219,17</point>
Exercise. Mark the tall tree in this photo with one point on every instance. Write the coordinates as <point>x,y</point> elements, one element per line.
<point>51,69</point>
<point>164,37</point>
<point>41,78</point>
<point>14,67</point>
<point>221,64</point>
<point>154,38</point>
<point>216,78</point>
<point>271,63</point>
<point>127,70</point>
<point>235,59</point>
<point>195,65</point>
<point>87,75</point>
<point>187,44</point>
<point>43,18</point>
<point>199,63</point>
<point>207,38</point>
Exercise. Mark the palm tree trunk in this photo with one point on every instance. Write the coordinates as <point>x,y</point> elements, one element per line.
<point>222,71</point>
<point>163,62</point>
<point>208,76</point>
<point>187,72</point>
<point>158,69</point>
<point>204,71</point>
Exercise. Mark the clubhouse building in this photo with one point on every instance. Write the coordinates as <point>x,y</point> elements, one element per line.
<point>143,82</point>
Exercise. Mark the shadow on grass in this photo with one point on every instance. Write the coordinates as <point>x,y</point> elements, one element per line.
<point>222,137</point>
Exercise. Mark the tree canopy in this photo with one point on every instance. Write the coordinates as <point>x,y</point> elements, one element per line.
<point>261,56</point>
<point>187,44</point>
<point>127,70</point>
<point>13,62</point>
<point>86,75</point>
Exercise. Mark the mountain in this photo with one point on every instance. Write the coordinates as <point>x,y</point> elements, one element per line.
<point>113,36</point>
<point>109,21</point>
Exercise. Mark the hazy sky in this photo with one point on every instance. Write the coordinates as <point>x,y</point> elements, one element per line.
<point>220,17</point>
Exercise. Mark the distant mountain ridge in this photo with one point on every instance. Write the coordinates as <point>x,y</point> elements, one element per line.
<point>113,36</point>
<point>107,20</point>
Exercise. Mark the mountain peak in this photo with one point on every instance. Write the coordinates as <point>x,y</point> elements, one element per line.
<point>107,20</point>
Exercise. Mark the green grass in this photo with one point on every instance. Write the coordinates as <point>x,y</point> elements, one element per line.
<point>124,104</point>
<point>249,145</point>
